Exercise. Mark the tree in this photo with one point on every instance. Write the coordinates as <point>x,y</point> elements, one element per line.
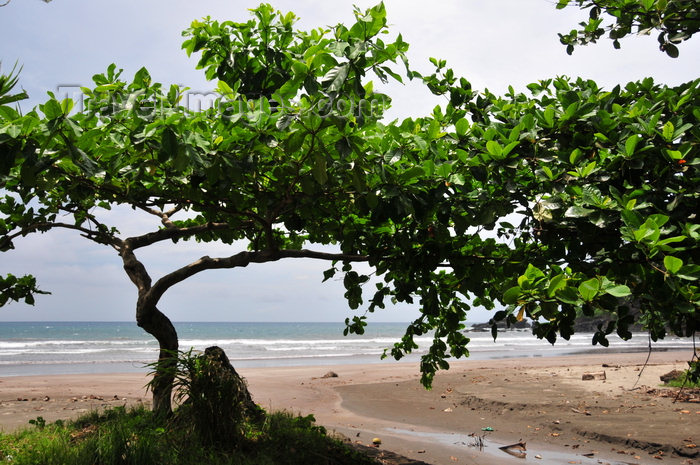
<point>607,186</point>
<point>677,21</point>
<point>292,153</point>
<point>295,154</point>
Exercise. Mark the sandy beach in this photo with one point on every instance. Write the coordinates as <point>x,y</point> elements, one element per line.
<point>543,402</point>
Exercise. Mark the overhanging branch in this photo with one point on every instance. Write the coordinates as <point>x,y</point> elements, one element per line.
<point>241,259</point>
<point>95,236</point>
<point>174,233</point>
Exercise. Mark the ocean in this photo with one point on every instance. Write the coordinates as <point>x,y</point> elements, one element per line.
<point>115,347</point>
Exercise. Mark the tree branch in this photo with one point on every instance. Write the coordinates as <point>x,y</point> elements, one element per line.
<point>174,233</point>
<point>241,259</point>
<point>164,217</point>
<point>95,236</point>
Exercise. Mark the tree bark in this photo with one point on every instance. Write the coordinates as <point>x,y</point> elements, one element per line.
<point>154,322</point>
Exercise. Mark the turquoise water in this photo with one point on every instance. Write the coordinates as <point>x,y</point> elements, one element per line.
<point>91,347</point>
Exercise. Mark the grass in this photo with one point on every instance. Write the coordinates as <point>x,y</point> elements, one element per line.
<point>216,423</point>
<point>137,437</point>
<point>681,381</point>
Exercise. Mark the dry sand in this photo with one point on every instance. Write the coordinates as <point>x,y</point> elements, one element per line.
<point>540,401</point>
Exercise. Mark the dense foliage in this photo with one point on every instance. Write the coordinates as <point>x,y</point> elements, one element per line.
<point>568,198</point>
<point>675,20</point>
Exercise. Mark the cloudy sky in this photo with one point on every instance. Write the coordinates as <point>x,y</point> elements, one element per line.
<point>62,44</point>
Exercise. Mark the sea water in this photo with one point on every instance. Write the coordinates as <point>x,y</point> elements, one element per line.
<point>111,347</point>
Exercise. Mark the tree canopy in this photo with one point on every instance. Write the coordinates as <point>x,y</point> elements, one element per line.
<point>295,154</point>
<point>676,21</point>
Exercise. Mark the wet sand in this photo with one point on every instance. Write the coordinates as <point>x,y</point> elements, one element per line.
<point>542,402</point>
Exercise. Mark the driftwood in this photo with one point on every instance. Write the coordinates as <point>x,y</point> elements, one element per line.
<point>517,450</point>
<point>600,375</point>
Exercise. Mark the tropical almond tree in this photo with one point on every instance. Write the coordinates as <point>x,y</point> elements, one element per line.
<point>295,156</point>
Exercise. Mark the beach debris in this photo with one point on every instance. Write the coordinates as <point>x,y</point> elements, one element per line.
<point>376,441</point>
<point>589,376</point>
<point>422,451</point>
<point>516,450</point>
<point>448,410</point>
<point>478,441</point>
<point>47,398</point>
<point>486,428</point>
<point>330,374</point>
<point>538,456</point>
<point>582,412</point>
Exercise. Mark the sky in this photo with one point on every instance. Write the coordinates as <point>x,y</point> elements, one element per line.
<point>60,45</point>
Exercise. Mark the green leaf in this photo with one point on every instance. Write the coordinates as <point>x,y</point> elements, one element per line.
<point>532,273</point>
<point>494,148</point>
<point>511,295</point>
<point>671,50</point>
<point>462,127</point>
<point>689,272</point>
<point>168,145</point>
<point>51,109</point>
<point>66,106</point>
<point>337,77</point>
<point>320,169</point>
<point>556,283</point>
<point>548,172</point>
<point>589,289</point>
<point>671,240</point>
<point>568,295</point>
<point>672,264</point>
<point>328,274</point>
<point>509,148</point>
<point>631,144</point>
<point>667,131</point>
<point>588,169</point>
<point>575,156</point>
<point>412,173</point>
<point>577,212</point>
<point>549,117</point>
<point>619,291</point>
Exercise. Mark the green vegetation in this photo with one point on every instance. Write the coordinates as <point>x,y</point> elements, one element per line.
<point>215,423</point>
<point>600,185</point>
<point>675,20</point>
<point>139,437</point>
<point>685,379</point>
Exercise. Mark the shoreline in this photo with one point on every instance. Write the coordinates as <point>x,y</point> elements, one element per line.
<point>539,400</point>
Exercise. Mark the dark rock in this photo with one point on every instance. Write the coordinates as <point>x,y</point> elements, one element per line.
<point>671,375</point>
<point>218,355</point>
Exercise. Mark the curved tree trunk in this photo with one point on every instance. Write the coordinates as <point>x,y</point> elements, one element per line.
<point>159,326</point>
<point>156,324</point>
